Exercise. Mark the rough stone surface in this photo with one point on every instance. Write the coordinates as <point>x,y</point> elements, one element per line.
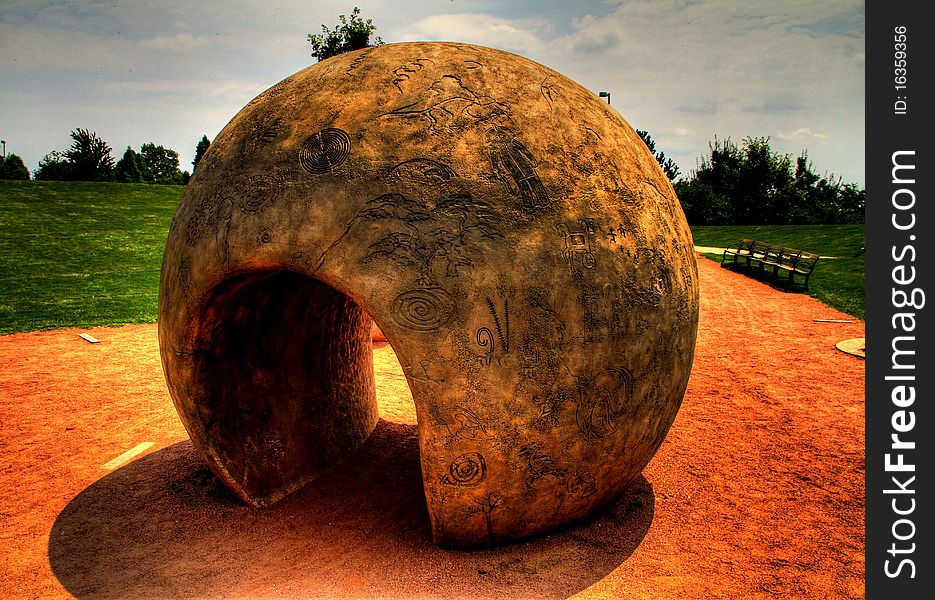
<point>510,233</point>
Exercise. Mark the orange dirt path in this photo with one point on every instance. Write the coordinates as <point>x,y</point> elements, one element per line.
<point>757,491</point>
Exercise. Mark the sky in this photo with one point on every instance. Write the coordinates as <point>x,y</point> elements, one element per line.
<point>688,71</point>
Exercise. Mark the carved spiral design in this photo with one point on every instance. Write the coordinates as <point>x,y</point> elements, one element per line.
<point>423,309</point>
<point>467,469</point>
<point>322,152</point>
<point>258,192</point>
<point>484,339</point>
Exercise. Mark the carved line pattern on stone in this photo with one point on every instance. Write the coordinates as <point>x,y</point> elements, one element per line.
<point>402,73</point>
<point>550,404</point>
<point>466,470</point>
<point>538,465</point>
<point>422,170</point>
<point>515,167</point>
<point>503,334</point>
<point>257,192</point>
<point>486,505</point>
<point>484,339</point>
<point>448,100</point>
<point>549,90</point>
<point>602,400</point>
<point>423,310</point>
<point>184,277</point>
<point>324,151</point>
<point>465,422</point>
<point>197,224</point>
<point>357,61</point>
<point>581,485</point>
<point>603,310</point>
<point>265,132</point>
<point>578,251</point>
<point>653,185</point>
<point>424,238</point>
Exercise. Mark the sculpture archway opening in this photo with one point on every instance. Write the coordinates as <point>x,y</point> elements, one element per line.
<point>285,367</point>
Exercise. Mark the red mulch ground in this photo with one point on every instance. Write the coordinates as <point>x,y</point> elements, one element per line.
<point>756,493</point>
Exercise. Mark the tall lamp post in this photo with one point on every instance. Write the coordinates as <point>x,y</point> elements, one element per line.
<point>604,95</point>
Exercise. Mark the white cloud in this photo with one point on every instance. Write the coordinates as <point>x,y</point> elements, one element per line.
<point>800,134</point>
<point>180,42</point>
<point>518,35</point>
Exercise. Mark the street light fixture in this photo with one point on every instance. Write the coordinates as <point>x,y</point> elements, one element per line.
<point>604,95</point>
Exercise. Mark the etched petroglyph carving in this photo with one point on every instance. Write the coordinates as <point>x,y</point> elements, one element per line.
<point>466,470</point>
<point>552,328</point>
<point>423,171</point>
<point>602,308</point>
<point>581,485</point>
<point>423,310</point>
<point>515,167</point>
<point>358,60</point>
<point>485,506</point>
<point>257,192</point>
<point>198,224</point>
<point>324,151</point>
<point>464,422</point>
<point>449,104</point>
<point>485,340</point>
<point>266,131</point>
<point>550,404</point>
<point>602,400</point>
<point>508,232</point>
<point>402,74</point>
<point>549,89</point>
<point>445,239</point>
<point>617,235</point>
<point>539,465</point>
<point>578,251</point>
<point>502,325</point>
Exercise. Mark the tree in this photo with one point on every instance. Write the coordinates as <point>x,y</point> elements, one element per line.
<point>53,167</point>
<point>200,150</point>
<point>13,167</point>
<point>750,184</point>
<point>668,165</point>
<point>128,168</point>
<point>352,34</point>
<point>159,165</point>
<point>89,157</point>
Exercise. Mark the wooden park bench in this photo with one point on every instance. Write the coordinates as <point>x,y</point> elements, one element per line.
<point>780,263</point>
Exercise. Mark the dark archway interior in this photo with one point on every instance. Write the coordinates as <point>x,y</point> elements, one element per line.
<point>286,368</point>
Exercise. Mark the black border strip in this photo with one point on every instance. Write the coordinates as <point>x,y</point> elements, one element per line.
<point>900,226</point>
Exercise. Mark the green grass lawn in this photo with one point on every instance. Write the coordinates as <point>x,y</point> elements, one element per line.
<point>837,282</point>
<point>78,254</point>
<point>75,254</point>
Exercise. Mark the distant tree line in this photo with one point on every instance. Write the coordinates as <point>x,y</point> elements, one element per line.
<point>750,184</point>
<point>89,158</point>
<point>13,167</point>
<point>668,165</point>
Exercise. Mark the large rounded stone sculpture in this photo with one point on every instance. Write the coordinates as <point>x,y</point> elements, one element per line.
<point>511,235</point>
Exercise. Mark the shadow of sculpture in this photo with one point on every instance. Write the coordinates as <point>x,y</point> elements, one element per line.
<point>164,526</point>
